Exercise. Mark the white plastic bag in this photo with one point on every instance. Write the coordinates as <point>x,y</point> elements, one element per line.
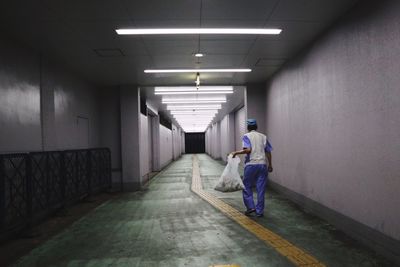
<point>230,179</point>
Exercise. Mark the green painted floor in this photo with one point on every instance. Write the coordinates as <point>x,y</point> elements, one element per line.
<point>168,225</point>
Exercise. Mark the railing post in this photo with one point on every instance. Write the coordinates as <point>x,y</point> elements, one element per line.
<point>63,182</point>
<point>77,175</point>
<point>29,188</point>
<point>2,193</point>
<point>47,177</point>
<point>89,174</point>
<point>109,171</point>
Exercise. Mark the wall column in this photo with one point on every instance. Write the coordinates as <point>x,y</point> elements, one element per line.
<point>130,137</point>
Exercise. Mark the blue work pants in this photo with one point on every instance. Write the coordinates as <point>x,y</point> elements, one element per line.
<point>255,175</point>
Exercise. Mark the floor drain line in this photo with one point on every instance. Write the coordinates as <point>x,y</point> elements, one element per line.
<point>296,255</point>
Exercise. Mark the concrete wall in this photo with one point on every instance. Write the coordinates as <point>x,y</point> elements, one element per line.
<point>42,105</point>
<point>333,115</point>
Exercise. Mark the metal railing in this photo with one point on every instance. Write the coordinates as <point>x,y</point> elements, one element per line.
<point>33,185</point>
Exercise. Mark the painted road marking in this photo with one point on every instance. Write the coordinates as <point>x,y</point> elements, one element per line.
<point>296,255</point>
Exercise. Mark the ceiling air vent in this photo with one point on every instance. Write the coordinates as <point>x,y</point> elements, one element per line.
<point>114,52</point>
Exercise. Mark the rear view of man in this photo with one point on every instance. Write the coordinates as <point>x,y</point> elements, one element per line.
<point>257,149</point>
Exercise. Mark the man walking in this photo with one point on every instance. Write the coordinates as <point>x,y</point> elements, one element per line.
<point>257,149</point>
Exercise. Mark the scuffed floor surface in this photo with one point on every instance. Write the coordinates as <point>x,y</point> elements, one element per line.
<point>168,225</point>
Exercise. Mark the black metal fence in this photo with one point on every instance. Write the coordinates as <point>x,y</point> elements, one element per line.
<point>32,185</point>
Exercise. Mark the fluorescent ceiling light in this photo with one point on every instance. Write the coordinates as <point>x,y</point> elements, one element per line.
<point>199,55</point>
<point>194,70</point>
<point>194,102</point>
<point>191,88</point>
<point>197,112</point>
<point>191,108</point>
<point>216,98</point>
<point>203,124</point>
<point>198,31</point>
<point>192,117</point>
<point>181,121</point>
<point>169,107</point>
<point>194,93</point>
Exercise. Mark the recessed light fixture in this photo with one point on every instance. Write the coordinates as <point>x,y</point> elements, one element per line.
<point>191,88</point>
<point>194,98</point>
<point>193,107</point>
<point>192,113</point>
<point>193,92</point>
<point>255,31</point>
<point>193,101</point>
<point>198,55</point>
<point>194,70</point>
<point>213,106</point>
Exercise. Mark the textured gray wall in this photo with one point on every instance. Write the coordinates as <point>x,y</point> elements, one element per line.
<point>255,99</point>
<point>40,103</point>
<point>333,114</point>
<point>73,98</point>
<point>20,128</point>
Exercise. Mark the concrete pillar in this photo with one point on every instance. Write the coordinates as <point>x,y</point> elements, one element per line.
<point>130,137</point>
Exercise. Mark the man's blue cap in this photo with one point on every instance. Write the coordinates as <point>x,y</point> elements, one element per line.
<point>251,122</point>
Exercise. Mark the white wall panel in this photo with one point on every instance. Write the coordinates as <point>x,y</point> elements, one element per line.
<point>144,145</point>
<point>240,130</point>
<point>224,137</point>
<point>165,146</point>
<point>240,127</point>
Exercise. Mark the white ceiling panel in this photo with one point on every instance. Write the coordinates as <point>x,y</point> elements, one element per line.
<point>275,49</point>
<point>98,30</point>
<point>221,61</point>
<point>85,10</point>
<point>172,47</point>
<point>294,30</point>
<point>310,10</point>
<point>237,9</point>
<point>238,47</point>
<point>174,61</point>
<point>159,10</point>
<point>256,76</point>
<point>230,23</point>
<point>167,23</point>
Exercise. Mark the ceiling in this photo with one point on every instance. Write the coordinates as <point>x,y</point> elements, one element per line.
<point>81,35</point>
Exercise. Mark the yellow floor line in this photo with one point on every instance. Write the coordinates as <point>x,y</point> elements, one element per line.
<point>296,255</point>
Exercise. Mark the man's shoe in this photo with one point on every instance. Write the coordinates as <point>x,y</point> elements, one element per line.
<point>259,215</point>
<point>249,212</point>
